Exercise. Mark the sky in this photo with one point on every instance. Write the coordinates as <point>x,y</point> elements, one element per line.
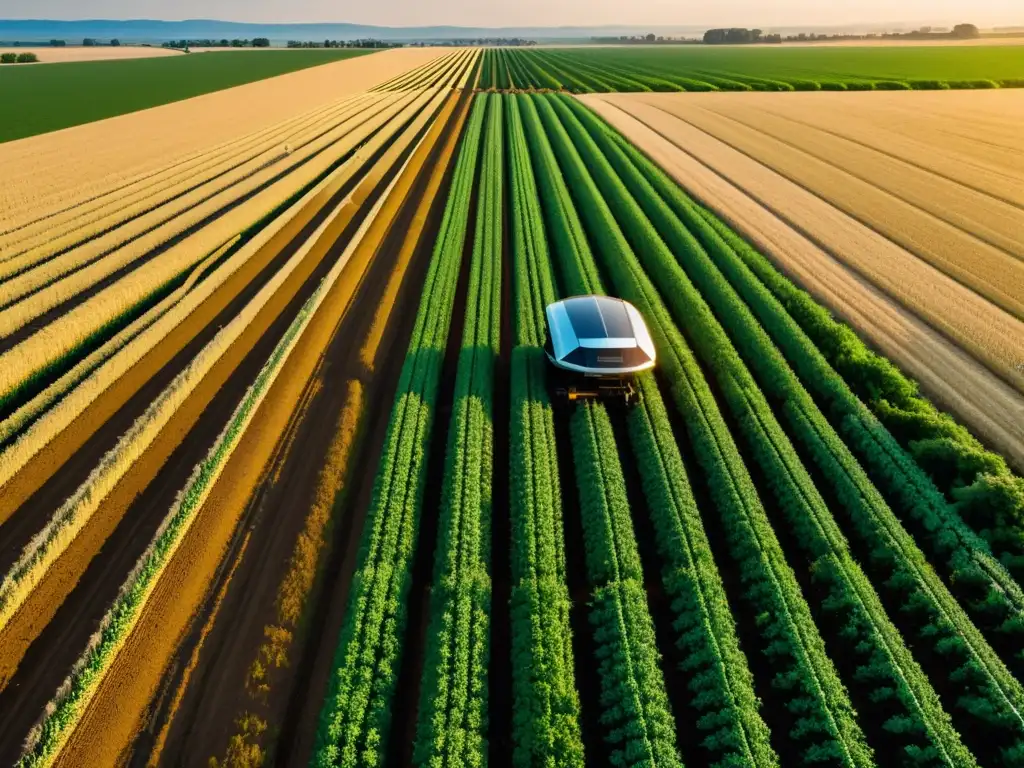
<point>750,13</point>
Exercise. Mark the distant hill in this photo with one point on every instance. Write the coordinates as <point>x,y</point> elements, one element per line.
<point>149,31</point>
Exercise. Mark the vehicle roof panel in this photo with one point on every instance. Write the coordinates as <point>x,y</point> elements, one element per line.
<point>598,317</point>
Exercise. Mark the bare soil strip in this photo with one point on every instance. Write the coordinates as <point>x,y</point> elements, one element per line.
<point>303,488</point>
<point>949,375</point>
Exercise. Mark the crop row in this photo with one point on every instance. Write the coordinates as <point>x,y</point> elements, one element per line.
<point>36,357</point>
<point>638,722</point>
<point>720,683</point>
<point>613,71</point>
<point>988,591</point>
<point>546,726</point>
<point>356,714</point>
<point>74,515</point>
<point>132,221</point>
<point>942,622</point>
<point>986,495</point>
<point>806,678</point>
<point>451,727</point>
<point>38,280</point>
<point>299,589</point>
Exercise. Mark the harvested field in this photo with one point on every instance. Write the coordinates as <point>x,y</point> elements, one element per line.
<point>953,377</point>
<point>51,55</point>
<point>55,98</point>
<point>54,172</point>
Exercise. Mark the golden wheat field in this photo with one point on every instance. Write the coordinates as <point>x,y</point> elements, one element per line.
<point>50,173</point>
<point>797,184</point>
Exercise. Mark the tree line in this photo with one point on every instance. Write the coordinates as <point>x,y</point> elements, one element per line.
<point>256,42</point>
<point>343,44</point>
<point>18,58</point>
<point>742,36</point>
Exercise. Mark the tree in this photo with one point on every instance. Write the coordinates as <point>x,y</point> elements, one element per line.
<point>27,58</point>
<point>8,58</point>
<point>651,38</point>
<point>966,32</point>
<point>58,43</point>
<point>261,42</point>
<point>88,42</point>
<point>115,42</point>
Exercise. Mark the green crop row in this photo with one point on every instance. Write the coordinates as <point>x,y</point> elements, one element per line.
<point>700,69</point>
<point>988,592</point>
<point>721,683</point>
<point>824,727</point>
<point>452,725</point>
<point>995,497</point>
<point>967,658</point>
<point>355,718</point>
<point>986,494</point>
<point>546,727</point>
<point>637,721</point>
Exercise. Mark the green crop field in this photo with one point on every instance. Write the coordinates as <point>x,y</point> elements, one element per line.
<point>759,68</point>
<point>747,568</point>
<point>57,96</point>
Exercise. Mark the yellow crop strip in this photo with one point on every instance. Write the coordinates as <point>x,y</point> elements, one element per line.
<point>192,210</point>
<point>71,701</point>
<point>85,219</point>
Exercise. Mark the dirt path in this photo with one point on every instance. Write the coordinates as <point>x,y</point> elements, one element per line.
<point>953,378</point>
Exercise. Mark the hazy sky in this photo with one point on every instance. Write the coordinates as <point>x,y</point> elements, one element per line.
<point>535,12</point>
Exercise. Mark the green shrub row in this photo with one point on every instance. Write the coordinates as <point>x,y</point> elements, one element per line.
<point>585,72</point>
<point>356,715</point>
<point>824,726</point>
<point>906,445</point>
<point>721,683</point>
<point>637,723</point>
<point>969,664</point>
<point>452,723</point>
<point>18,58</point>
<point>546,727</point>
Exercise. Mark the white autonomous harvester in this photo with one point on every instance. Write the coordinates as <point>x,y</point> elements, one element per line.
<point>597,345</point>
